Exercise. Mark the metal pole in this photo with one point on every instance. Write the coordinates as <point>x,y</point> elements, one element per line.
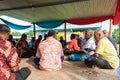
<point>65,30</point>
<point>110,29</point>
<point>34,30</point>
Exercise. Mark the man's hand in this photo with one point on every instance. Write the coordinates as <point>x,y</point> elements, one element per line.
<point>15,68</point>
<point>96,55</point>
<point>89,49</point>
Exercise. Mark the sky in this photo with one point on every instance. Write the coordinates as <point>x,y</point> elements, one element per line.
<point>104,25</point>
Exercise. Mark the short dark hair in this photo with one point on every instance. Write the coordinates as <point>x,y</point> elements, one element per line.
<point>51,32</point>
<point>72,36</point>
<point>4,28</point>
<point>24,36</point>
<point>40,37</point>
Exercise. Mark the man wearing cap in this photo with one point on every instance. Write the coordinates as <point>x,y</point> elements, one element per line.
<point>50,52</point>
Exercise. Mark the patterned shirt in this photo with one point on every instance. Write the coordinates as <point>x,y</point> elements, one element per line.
<point>22,46</point>
<point>8,59</point>
<point>50,52</point>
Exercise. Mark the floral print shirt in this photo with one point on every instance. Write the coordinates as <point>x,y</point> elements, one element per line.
<point>50,52</point>
<point>8,58</point>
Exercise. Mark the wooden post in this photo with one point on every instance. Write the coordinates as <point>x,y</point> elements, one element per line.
<point>110,29</point>
<point>34,30</point>
<point>65,30</point>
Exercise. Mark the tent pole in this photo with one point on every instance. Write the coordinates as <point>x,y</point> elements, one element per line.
<point>34,30</point>
<point>110,29</point>
<point>65,30</point>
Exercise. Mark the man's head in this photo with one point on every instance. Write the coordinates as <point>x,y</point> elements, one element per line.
<point>4,31</point>
<point>105,32</point>
<point>40,37</point>
<point>73,36</point>
<point>24,36</point>
<point>61,38</point>
<point>88,34</point>
<point>52,33</point>
<point>98,34</point>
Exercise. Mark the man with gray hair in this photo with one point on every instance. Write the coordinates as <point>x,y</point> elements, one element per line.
<point>105,54</point>
<point>106,34</point>
<point>9,60</point>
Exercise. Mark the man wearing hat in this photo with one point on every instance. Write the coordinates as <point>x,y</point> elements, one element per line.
<point>50,52</point>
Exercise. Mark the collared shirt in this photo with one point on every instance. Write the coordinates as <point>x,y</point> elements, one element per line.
<point>50,52</point>
<point>73,45</point>
<point>8,58</point>
<point>90,43</point>
<point>107,51</point>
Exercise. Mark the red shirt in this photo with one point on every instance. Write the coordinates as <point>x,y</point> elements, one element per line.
<point>73,45</point>
<point>36,44</point>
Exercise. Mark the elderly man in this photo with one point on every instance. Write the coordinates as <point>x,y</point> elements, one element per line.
<point>50,52</point>
<point>106,34</point>
<point>9,60</point>
<point>105,55</point>
<point>87,48</point>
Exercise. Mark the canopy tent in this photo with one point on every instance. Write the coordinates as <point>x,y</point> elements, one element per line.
<point>71,11</point>
<point>70,27</point>
<point>35,11</point>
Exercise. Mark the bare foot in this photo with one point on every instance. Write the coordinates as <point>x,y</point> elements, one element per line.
<point>66,58</point>
<point>94,67</point>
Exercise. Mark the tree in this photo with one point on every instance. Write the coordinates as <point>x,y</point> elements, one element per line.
<point>116,35</point>
<point>16,34</point>
<point>29,34</point>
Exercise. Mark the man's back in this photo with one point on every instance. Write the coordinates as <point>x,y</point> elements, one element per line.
<point>51,52</point>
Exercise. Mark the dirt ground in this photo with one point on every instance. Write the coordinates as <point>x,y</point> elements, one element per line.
<point>70,71</point>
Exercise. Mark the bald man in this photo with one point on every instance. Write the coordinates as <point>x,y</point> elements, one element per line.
<point>88,46</point>
<point>105,55</point>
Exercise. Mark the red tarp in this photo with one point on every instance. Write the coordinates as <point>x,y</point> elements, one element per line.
<point>88,21</point>
<point>116,18</point>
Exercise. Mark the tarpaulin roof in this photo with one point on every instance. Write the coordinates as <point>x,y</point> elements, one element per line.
<point>45,10</point>
<point>69,27</point>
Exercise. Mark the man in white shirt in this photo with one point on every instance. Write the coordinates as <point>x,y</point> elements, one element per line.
<point>88,46</point>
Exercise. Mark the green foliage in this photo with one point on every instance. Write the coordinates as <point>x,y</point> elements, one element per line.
<point>116,35</point>
<point>16,34</point>
<point>30,34</point>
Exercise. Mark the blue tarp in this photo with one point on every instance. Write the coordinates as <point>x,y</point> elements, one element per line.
<point>50,24</point>
<point>46,24</point>
<point>15,26</point>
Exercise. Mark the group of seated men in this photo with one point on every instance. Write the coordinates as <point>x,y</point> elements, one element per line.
<point>97,52</point>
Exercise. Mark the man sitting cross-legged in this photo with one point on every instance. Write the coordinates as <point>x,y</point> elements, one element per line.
<point>9,60</point>
<point>105,55</point>
<point>49,53</point>
<point>87,48</point>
